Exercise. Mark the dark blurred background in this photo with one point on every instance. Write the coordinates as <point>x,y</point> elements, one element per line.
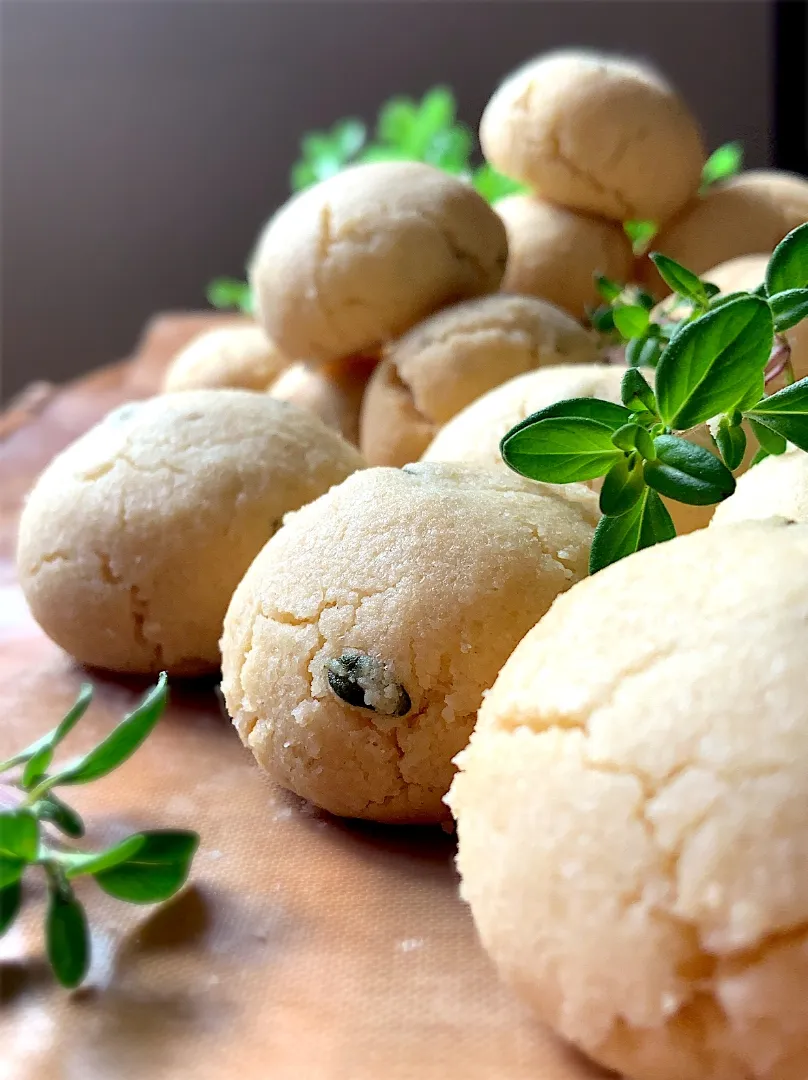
<point>144,143</point>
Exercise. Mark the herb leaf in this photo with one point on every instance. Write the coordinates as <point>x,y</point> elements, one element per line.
<point>560,450</point>
<point>646,523</point>
<point>228,294</point>
<point>492,185</point>
<point>789,308</point>
<point>788,266</point>
<point>10,901</point>
<point>687,472</point>
<point>93,863</point>
<point>66,936</point>
<point>785,413</point>
<point>55,736</point>
<point>715,363</point>
<point>640,233</point>
<point>635,392</point>
<point>771,443</point>
<point>602,412</point>
<point>609,290</point>
<point>155,872</point>
<point>64,817</point>
<point>622,486</point>
<point>679,279</point>
<point>631,320</point>
<point>11,869</point>
<point>643,352</point>
<point>121,743</point>
<point>723,163</point>
<point>19,835</point>
<point>731,441</point>
<point>634,437</point>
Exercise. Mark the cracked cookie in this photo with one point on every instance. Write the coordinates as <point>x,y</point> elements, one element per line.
<point>632,811</point>
<point>595,133</point>
<point>554,253</point>
<point>239,357</point>
<point>451,358</point>
<point>357,648</point>
<point>358,259</point>
<point>134,538</point>
<point>745,215</point>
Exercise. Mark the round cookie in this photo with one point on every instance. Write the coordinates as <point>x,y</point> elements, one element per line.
<point>595,133</point>
<point>555,253</point>
<point>332,391</point>
<point>474,435</point>
<point>745,215</point>
<point>632,811</point>
<point>357,648</point>
<point>776,487</point>
<point>358,259</point>
<point>451,358</point>
<point>134,538</point>
<point>238,357</point>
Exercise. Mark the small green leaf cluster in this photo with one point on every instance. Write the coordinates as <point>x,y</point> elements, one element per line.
<point>145,868</point>
<point>711,368</point>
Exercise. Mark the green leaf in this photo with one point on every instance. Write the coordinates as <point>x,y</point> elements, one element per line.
<point>725,298</point>
<point>640,233</point>
<point>76,864</point>
<point>396,120</point>
<point>715,363</point>
<point>789,308</point>
<point>770,442</point>
<point>492,185</point>
<point>788,266</point>
<point>10,902</point>
<point>681,280</point>
<point>450,150</point>
<point>67,937</point>
<point>19,835</point>
<point>622,486</point>
<point>560,450</point>
<point>687,472</point>
<point>646,523</point>
<point>11,869</point>
<point>348,136</point>
<point>158,869</point>
<point>609,290</point>
<point>607,413</point>
<point>602,319</point>
<point>56,735</point>
<point>228,294</point>
<point>643,352</point>
<point>634,437</point>
<point>723,163</point>
<point>635,392</point>
<point>37,766</point>
<point>50,808</point>
<point>123,741</point>
<point>631,320</point>
<point>785,413</point>
<point>731,441</point>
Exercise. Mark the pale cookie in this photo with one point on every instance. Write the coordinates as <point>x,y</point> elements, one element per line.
<point>776,487</point>
<point>595,133</point>
<point>555,253</point>
<point>332,391</point>
<point>358,259</point>
<point>450,359</point>
<point>357,648</point>
<point>743,216</point>
<point>632,811</point>
<point>134,538</point>
<point>474,435</point>
<point>238,357</point>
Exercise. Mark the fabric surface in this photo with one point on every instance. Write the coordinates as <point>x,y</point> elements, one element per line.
<point>303,948</point>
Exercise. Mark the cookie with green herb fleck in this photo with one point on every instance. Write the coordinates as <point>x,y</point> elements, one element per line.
<point>134,537</point>
<point>451,358</point>
<point>238,357</point>
<point>358,646</point>
<point>554,253</point>
<point>356,260</point>
<point>744,215</point>
<point>595,133</point>
<point>632,810</point>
